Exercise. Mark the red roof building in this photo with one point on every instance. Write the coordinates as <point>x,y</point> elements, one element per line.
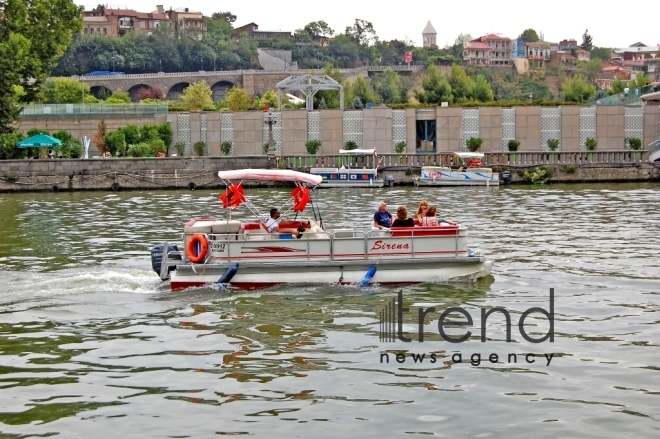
<point>488,50</point>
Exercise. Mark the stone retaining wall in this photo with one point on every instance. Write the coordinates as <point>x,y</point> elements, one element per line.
<point>186,173</point>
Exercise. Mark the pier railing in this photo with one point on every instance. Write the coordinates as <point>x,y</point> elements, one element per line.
<point>448,159</point>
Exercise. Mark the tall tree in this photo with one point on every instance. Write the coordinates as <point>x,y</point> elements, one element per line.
<point>461,85</point>
<point>33,35</point>
<point>529,35</point>
<point>436,89</point>
<point>362,32</point>
<point>457,48</point>
<point>587,43</point>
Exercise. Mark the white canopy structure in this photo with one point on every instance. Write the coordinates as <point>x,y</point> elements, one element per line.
<point>270,175</point>
<point>358,151</point>
<point>309,85</point>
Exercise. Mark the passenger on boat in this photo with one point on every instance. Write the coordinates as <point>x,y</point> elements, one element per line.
<point>402,219</point>
<point>421,210</point>
<point>429,219</point>
<point>382,218</point>
<point>273,225</point>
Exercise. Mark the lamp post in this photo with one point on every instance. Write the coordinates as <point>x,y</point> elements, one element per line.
<point>270,121</point>
<point>160,65</point>
<point>214,61</point>
<point>113,63</point>
<point>201,60</point>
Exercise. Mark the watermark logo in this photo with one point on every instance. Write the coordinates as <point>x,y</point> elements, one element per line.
<point>391,328</point>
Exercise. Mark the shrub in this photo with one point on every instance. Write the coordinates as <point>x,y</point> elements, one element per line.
<point>115,142</point>
<point>200,148</point>
<point>474,143</point>
<point>158,147</point>
<point>151,93</point>
<point>11,178</point>
<point>537,175</point>
<point>570,169</point>
<point>313,146</point>
<point>225,147</point>
<point>513,145</point>
<point>351,144</point>
<point>165,133</point>
<point>591,144</point>
<point>635,143</point>
<point>400,147</point>
<point>180,148</point>
<point>553,144</point>
<point>266,148</point>
<point>139,150</point>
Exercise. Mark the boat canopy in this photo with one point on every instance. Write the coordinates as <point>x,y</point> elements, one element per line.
<point>358,151</point>
<point>270,175</point>
<point>470,155</point>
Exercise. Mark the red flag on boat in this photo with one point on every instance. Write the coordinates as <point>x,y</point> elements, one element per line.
<point>300,198</point>
<point>233,197</point>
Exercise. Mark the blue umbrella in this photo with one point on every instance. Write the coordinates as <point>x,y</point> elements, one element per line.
<point>40,141</point>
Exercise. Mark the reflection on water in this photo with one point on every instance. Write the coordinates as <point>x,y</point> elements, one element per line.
<point>89,333</point>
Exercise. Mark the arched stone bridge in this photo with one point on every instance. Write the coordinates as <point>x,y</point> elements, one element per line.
<point>173,84</point>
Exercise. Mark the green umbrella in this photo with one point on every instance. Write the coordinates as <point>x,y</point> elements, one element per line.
<point>40,141</point>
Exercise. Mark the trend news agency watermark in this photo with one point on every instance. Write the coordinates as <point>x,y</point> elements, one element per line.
<point>391,330</point>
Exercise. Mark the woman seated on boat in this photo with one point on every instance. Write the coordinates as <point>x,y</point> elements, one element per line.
<point>273,225</point>
<point>421,210</point>
<point>402,219</point>
<point>429,219</point>
<point>382,218</point>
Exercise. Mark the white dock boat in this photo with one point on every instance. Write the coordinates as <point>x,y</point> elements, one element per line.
<point>471,172</point>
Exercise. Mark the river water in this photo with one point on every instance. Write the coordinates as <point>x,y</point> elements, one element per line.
<point>93,344</point>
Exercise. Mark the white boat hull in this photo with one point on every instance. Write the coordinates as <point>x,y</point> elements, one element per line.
<point>392,273</point>
<point>348,177</point>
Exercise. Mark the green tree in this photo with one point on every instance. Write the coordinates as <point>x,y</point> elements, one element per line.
<point>461,85</point>
<point>8,141</point>
<point>592,68</point>
<point>197,96</point>
<point>577,89</point>
<point>360,88</point>
<point>618,85</point>
<point>238,99</point>
<point>316,29</point>
<point>225,16</point>
<point>115,142</point>
<point>331,97</point>
<point>33,35</point>
<point>640,80</point>
<point>436,89</point>
<point>362,32</point>
<point>601,53</point>
<point>64,91</point>
<point>481,90</point>
<point>390,87</point>
<point>587,43</point>
<point>529,35</point>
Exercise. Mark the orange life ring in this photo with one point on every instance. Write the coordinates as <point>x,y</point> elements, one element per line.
<point>192,244</point>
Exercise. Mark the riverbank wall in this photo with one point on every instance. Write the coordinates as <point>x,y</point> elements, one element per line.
<point>201,173</point>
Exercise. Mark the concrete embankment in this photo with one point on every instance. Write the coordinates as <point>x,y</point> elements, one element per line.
<point>187,173</point>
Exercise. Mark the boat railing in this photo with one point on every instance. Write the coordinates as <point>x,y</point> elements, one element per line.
<point>366,236</point>
<point>447,159</point>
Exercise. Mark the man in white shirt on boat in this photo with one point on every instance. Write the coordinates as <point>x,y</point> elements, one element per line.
<point>273,224</point>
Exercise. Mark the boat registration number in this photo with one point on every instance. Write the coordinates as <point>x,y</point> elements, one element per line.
<point>218,247</point>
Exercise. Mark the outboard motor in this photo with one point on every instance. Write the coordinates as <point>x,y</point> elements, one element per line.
<point>505,176</point>
<point>389,180</point>
<point>171,259</point>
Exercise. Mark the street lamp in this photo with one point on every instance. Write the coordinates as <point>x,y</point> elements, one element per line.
<point>160,66</point>
<point>213,61</point>
<point>113,63</point>
<point>270,121</point>
<point>201,60</point>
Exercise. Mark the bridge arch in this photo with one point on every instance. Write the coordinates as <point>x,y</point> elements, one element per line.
<point>174,93</point>
<point>135,90</point>
<point>220,89</point>
<point>100,91</point>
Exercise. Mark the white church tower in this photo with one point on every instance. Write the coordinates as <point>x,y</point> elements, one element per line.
<point>428,36</point>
